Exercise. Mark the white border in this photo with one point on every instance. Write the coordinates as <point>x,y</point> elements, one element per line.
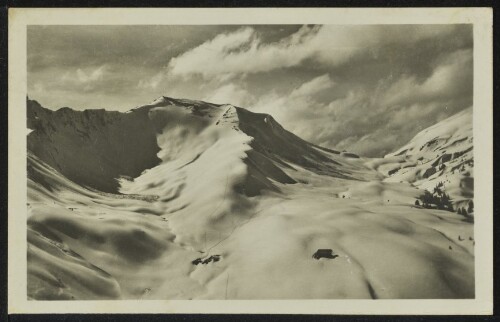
<point>481,18</point>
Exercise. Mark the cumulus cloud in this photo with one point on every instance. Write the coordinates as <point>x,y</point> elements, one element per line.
<point>233,53</point>
<point>297,108</point>
<point>243,51</point>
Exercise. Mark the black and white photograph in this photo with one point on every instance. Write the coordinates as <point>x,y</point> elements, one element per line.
<point>251,161</point>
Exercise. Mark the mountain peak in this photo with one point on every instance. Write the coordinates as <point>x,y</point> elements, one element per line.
<point>161,100</point>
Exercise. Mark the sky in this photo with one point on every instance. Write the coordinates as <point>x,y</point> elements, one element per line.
<point>366,89</point>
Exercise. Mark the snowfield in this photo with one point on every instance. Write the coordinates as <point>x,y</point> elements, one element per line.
<point>183,199</point>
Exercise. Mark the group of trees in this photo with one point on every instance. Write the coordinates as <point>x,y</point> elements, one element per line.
<point>466,212</point>
<point>439,199</point>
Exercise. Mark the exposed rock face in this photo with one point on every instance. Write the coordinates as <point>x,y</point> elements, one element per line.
<point>272,140</point>
<point>93,147</point>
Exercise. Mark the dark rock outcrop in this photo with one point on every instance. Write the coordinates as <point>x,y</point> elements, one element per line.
<point>93,147</point>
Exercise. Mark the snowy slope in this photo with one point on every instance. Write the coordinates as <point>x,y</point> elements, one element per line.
<point>226,204</point>
<point>441,153</point>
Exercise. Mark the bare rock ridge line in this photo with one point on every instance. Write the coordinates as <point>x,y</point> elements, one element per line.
<point>93,147</point>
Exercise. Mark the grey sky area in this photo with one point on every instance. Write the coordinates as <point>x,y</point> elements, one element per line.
<point>365,89</point>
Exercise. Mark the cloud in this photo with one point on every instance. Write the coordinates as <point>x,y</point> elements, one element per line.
<point>151,83</point>
<point>202,58</point>
<point>90,75</point>
<point>453,77</point>
<point>373,121</point>
<point>313,86</point>
<point>243,51</point>
<point>88,79</point>
<point>230,94</point>
<point>298,109</point>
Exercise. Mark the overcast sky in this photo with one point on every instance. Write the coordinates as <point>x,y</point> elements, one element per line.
<point>365,89</point>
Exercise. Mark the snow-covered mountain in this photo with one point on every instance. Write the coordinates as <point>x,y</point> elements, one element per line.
<point>95,147</point>
<point>441,153</point>
<point>182,199</point>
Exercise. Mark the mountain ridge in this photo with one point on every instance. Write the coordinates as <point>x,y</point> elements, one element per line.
<point>135,133</point>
